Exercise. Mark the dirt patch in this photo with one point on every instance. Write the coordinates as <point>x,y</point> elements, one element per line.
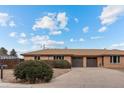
<point>9,77</point>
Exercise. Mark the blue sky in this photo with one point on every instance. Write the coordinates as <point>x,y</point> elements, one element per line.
<point>27,28</point>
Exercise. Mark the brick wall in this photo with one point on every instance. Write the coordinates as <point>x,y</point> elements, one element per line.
<point>28,58</point>
<point>107,63</point>
<point>68,58</point>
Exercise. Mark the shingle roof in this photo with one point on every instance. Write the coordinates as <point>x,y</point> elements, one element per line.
<point>78,52</point>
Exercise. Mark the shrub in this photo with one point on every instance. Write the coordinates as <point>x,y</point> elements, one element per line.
<point>57,63</point>
<point>49,62</point>
<point>62,64</point>
<point>33,71</point>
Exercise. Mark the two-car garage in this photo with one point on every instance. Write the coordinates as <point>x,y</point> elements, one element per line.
<point>78,62</point>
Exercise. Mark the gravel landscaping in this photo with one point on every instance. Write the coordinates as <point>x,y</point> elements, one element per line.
<point>9,77</point>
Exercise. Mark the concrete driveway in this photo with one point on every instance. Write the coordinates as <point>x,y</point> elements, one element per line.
<point>83,78</point>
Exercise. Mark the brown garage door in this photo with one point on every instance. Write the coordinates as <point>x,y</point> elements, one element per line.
<point>91,62</point>
<point>77,62</point>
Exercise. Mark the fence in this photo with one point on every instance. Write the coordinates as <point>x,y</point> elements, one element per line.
<point>10,61</point>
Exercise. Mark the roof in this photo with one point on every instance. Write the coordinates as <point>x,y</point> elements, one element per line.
<point>78,52</point>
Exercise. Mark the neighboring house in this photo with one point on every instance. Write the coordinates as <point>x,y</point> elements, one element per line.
<point>81,57</point>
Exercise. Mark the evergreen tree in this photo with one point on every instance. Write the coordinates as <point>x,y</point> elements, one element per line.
<point>3,51</point>
<point>13,53</point>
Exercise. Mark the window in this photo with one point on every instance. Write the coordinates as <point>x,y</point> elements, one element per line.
<point>37,58</point>
<point>49,57</point>
<point>58,57</point>
<point>114,59</point>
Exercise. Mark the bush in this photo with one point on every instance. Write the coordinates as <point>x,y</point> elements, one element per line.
<point>57,63</point>
<point>62,64</point>
<point>49,62</point>
<point>33,71</point>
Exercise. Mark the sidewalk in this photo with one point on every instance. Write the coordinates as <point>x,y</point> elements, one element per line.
<point>13,85</point>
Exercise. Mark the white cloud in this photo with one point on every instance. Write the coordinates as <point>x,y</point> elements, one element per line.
<point>19,37</point>
<point>62,19</point>
<point>22,40</point>
<point>45,40</point>
<point>12,34</point>
<point>6,20</point>
<point>32,34</point>
<point>66,29</point>
<point>117,46</point>
<point>22,35</point>
<point>85,29</point>
<point>12,24</point>
<point>110,14</point>
<point>52,15</point>
<point>55,32</point>
<point>72,40</point>
<point>76,40</point>
<point>54,23</point>
<point>96,37</point>
<point>76,20</point>
<point>102,29</point>
<point>44,23</point>
<point>81,39</point>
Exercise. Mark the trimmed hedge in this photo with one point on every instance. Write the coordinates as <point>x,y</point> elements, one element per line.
<point>64,64</point>
<point>33,71</point>
<point>49,62</point>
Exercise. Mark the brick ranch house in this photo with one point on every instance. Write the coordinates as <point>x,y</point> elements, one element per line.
<point>81,57</point>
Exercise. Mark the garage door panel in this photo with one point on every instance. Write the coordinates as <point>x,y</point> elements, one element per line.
<point>77,62</point>
<point>91,62</point>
